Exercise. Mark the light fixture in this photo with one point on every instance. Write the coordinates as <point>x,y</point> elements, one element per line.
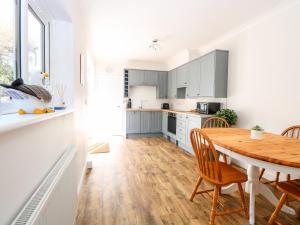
<point>155,46</point>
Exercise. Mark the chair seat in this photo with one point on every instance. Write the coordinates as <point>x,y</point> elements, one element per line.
<point>231,175</point>
<point>291,188</point>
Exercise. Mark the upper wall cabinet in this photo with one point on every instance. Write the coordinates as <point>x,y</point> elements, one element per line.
<point>136,77</point>
<point>202,77</point>
<point>182,75</point>
<point>214,74</point>
<point>172,89</point>
<point>207,76</point>
<point>159,79</point>
<point>162,88</point>
<point>150,78</point>
<point>193,79</point>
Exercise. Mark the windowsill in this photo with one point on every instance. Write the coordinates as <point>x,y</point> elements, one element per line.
<point>15,121</point>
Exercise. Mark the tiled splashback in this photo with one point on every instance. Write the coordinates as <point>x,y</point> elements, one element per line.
<point>189,104</point>
<point>146,96</point>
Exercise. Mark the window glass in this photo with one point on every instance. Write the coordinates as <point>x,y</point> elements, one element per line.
<point>7,41</point>
<point>36,40</point>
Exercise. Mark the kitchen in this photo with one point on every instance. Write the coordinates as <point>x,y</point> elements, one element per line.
<point>203,77</point>
<point>162,112</point>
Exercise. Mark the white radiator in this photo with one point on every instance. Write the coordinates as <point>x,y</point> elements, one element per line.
<point>54,201</point>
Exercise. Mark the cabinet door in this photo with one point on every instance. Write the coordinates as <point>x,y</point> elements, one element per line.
<point>162,89</point>
<point>150,78</point>
<point>181,78</point>
<point>193,88</point>
<point>146,122</point>
<point>165,122</point>
<point>207,80</point>
<point>156,125</point>
<point>172,89</point>
<point>191,122</point>
<point>133,125</point>
<point>135,77</point>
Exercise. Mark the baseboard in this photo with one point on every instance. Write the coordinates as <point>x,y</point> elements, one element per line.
<point>144,135</point>
<point>82,178</point>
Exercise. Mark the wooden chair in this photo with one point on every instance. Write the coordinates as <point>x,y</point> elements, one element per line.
<point>217,122</point>
<point>217,173</point>
<point>291,132</point>
<point>290,188</point>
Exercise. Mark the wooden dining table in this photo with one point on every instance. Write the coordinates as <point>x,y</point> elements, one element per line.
<point>273,152</point>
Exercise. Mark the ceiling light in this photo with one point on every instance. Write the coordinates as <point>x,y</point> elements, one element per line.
<point>155,46</point>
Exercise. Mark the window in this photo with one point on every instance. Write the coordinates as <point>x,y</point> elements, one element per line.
<point>36,43</point>
<point>8,41</point>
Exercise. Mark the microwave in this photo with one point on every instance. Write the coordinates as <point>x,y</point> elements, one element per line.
<point>208,107</point>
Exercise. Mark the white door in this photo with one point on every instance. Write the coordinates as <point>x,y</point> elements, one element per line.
<point>106,119</point>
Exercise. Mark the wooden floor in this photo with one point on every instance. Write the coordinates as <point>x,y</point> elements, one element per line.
<point>148,181</point>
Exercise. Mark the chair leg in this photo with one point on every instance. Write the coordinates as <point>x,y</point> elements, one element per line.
<point>277,210</point>
<point>277,177</point>
<point>214,206</point>
<point>196,188</point>
<point>225,158</point>
<point>243,200</point>
<point>262,171</point>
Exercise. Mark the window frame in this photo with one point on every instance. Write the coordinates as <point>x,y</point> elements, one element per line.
<point>43,60</point>
<point>21,41</point>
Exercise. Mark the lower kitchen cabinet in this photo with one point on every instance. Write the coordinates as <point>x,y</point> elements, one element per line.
<point>133,122</point>
<point>144,122</point>
<point>156,122</point>
<point>185,123</point>
<point>165,123</point>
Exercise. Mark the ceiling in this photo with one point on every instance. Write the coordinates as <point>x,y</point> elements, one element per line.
<point>124,29</point>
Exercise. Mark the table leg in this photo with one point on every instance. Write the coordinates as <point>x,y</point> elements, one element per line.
<point>251,188</point>
<point>254,187</point>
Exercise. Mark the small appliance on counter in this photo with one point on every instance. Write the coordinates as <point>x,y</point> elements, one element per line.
<point>208,107</point>
<point>128,106</point>
<point>165,106</point>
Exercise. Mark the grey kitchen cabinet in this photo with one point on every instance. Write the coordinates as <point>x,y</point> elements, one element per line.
<point>150,78</point>
<point>146,122</point>
<point>156,122</point>
<point>214,74</point>
<point>143,122</point>
<point>133,122</point>
<point>136,77</point>
<point>182,74</point>
<point>181,129</point>
<point>165,123</point>
<point>172,89</point>
<point>193,79</point>
<point>162,88</point>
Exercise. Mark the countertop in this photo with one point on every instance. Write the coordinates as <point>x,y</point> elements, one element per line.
<point>170,110</point>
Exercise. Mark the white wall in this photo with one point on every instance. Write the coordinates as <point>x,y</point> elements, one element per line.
<point>62,57</point>
<point>264,72</point>
<point>27,154</point>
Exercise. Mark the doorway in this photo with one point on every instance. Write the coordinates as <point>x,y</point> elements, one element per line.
<point>106,110</point>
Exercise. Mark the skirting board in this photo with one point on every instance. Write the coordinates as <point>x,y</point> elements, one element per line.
<point>143,135</point>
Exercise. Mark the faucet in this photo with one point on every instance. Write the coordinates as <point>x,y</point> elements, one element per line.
<point>141,105</point>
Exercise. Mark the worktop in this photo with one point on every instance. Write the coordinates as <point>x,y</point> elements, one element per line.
<point>170,110</point>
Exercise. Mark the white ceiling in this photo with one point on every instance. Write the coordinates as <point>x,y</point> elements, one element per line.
<point>123,29</point>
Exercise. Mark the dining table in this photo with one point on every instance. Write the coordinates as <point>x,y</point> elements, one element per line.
<point>273,152</point>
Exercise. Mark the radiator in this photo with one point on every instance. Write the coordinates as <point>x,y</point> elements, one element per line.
<point>48,200</point>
